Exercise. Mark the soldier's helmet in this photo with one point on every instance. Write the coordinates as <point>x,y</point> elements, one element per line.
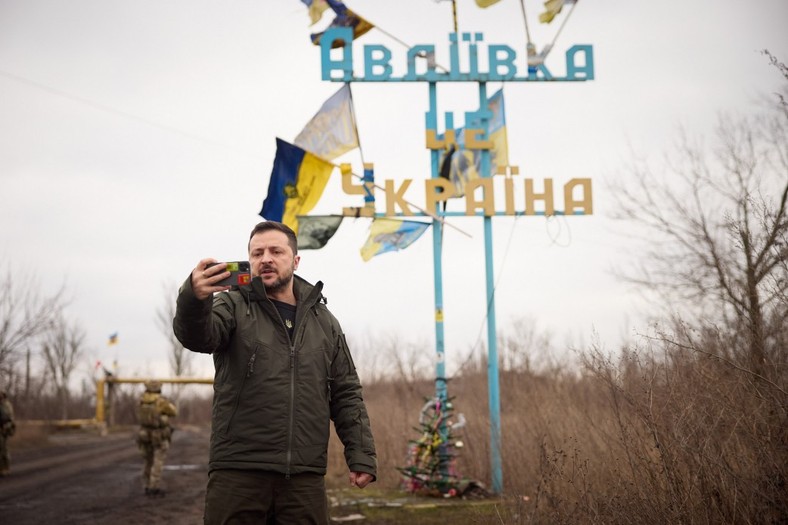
<point>153,386</point>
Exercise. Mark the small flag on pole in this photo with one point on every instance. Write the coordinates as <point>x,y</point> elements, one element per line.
<point>386,235</point>
<point>297,182</point>
<point>345,18</point>
<point>113,339</point>
<point>461,165</point>
<point>332,131</point>
<point>315,231</point>
<point>552,8</point>
<point>316,8</point>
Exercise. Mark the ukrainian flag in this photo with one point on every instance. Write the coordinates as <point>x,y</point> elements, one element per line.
<point>316,8</point>
<point>332,131</point>
<point>463,165</point>
<point>297,182</point>
<point>345,18</point>
<point>387,235</point>
<point>497,130</point>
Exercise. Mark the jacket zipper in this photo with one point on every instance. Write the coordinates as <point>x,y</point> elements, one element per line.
<point>292,411</point>
<point>250,365</point>
<point>249,371</point>
<point>298,331</point>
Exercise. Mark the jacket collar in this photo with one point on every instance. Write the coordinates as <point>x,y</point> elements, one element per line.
<point>306,294</point>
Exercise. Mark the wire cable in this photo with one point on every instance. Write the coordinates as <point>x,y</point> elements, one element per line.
<point>120,113</point>
<point>489,303</point>
<point>355,122</point>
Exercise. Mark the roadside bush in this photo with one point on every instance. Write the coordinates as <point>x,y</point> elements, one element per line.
<point>667,432</point>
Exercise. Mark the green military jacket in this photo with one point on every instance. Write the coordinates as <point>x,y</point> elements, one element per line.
<point>273,397</point>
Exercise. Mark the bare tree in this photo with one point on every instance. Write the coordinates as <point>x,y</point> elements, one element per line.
<point>180,358</point>
<point>24,315</point>
<point>62,347</point>
<point>526,348</point>
<point>716,231</point>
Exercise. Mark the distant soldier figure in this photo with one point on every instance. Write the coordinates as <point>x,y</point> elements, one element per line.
<point>154,413</point>
<point>7,429</point>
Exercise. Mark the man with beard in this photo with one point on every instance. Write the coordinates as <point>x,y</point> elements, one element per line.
<point>283,372</point>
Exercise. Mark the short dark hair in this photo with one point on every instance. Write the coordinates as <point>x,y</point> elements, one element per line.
<point>264,226</point>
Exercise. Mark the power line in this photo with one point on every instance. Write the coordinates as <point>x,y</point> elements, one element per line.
<point>124,114</point>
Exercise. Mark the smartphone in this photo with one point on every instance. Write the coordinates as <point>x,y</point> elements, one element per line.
<point>240,274</point>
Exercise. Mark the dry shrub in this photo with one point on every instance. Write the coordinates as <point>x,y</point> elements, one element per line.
<point>664,433</point>
<point>702,440</point>
<point>671,431</point>
<point>393,408</point>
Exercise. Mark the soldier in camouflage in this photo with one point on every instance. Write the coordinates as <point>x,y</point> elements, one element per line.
<point>7,428</point>
<point>153,413</point>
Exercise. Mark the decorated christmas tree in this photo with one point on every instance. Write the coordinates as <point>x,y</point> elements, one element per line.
<point>431,460</point>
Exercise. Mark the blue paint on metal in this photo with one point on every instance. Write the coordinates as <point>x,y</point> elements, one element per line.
<point>502,67</point>
<point>492,339</point>
<point>437,257</point>
<point>381,59</point>
<point>369,180</point>
<point>502,61</point>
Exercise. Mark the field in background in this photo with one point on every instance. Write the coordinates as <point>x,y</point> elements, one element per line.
<point>664,433</point>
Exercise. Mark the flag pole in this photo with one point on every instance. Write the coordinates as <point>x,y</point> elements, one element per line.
<point>525,21</point>
<point>530,48</point>
<point>355,123</point>
<point>403,43</point>
<point>416,206</point>
<point>563,23</point>
<point>454,14</point>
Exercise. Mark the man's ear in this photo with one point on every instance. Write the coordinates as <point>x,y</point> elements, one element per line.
<point>296,260</point>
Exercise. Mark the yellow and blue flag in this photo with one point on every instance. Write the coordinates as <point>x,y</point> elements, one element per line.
<point>332,131</point>
<point>316,8</point>
<point>113,339</point>
<point>386,235</point>
<point>345,18</point>
<point>497,131</point>
<point>461,165</point>
<point>552,8</point>
<point>297,183</point>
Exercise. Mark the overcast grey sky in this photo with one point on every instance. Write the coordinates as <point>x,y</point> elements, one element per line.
<point>138,137</point>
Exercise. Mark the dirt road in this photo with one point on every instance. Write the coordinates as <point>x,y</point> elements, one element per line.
<point>83,478</point>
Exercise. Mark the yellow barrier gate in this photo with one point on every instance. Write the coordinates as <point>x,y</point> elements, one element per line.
<point>109,382</point>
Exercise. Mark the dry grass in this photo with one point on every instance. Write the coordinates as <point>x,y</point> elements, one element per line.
<point>662,434</point>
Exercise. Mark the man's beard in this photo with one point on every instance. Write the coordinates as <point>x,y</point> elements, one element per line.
<point>280,284</point>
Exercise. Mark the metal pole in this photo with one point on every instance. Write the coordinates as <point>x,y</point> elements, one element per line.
<point>492,340</point>
<point>100,401</point>
<point>437,258</point>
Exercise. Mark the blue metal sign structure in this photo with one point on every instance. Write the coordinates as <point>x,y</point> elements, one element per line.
<point>501,62</point>
<point>337,63</point>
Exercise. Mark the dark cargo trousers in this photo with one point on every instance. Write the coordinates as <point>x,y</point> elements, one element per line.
<point>253,497</point>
